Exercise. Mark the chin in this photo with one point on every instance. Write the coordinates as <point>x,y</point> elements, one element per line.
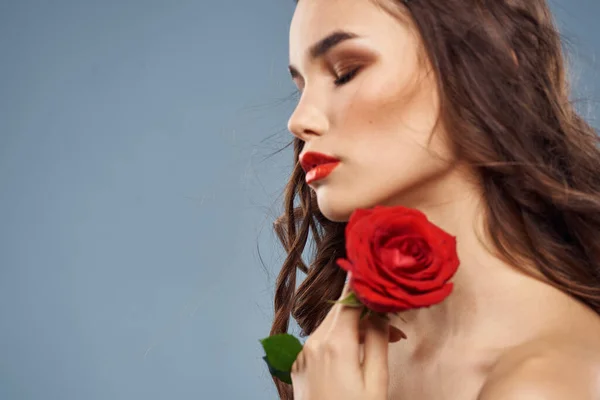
<point>335,215</point>
<point>333,210</point>
<point>338,208</point>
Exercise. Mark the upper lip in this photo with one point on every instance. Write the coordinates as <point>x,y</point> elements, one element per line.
<point>311,159</point>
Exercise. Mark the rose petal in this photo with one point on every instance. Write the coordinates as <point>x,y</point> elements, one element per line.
<point>398,257</point>
<point>345,264</point>
<point>378,302</point>
<point>426,299</point>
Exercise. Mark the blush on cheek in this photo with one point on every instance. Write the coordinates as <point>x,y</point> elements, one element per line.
<point>387,98</point>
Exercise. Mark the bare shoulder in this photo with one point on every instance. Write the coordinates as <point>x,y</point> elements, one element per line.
<point>558,367</point>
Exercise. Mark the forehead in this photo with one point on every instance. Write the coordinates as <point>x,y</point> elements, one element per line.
<point>315,19</point>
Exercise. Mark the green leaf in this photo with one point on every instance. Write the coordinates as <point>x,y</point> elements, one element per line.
<point>282,375</point>
<point>281,352</point>
<point>365,313</point>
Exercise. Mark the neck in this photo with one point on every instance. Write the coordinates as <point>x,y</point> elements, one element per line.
<point>486,289</point>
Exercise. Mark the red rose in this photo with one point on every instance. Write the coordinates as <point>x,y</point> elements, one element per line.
<point>398,259</point>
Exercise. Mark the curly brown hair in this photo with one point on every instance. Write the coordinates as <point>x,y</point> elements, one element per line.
<point>538,161</point>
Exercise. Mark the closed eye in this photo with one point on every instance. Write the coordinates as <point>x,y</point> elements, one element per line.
<point>346,77</point>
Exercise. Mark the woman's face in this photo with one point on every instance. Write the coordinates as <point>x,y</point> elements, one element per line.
<point>369,100</point>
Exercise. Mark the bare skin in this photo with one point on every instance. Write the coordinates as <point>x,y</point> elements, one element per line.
<point>501,334</point>
<point>523,330</point>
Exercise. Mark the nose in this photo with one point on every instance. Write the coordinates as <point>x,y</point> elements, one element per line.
<point>307,121</point>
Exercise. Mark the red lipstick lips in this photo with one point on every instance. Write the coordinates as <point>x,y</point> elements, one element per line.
<point>317,165</point>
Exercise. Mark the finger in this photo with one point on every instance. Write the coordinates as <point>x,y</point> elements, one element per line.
<point>345,319</point>
<point>376,346</point>
<point>395,333</point>
<point>325,326</point>
<point>296,373</point>
<point>300,362</point>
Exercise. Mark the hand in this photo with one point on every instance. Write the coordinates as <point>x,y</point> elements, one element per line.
<point>330,365</point>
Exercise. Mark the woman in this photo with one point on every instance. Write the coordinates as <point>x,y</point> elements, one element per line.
<point>458,108</point>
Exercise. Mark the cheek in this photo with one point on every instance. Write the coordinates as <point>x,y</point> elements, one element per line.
<point>396,166</point>
<point>379,171</point>
<point>405,108</point>
<point>386,134</point>
<point>403,129</point>
<point>393,147</point>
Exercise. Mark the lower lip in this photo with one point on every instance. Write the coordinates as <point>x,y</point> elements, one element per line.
<point>320,172</point>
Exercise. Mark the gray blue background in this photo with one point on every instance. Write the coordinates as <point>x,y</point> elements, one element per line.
<point>138,185</point>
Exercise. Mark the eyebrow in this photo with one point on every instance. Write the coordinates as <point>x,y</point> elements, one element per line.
<point>324,45</point>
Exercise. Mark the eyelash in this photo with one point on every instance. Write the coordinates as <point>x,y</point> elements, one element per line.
<point>342,80</point>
